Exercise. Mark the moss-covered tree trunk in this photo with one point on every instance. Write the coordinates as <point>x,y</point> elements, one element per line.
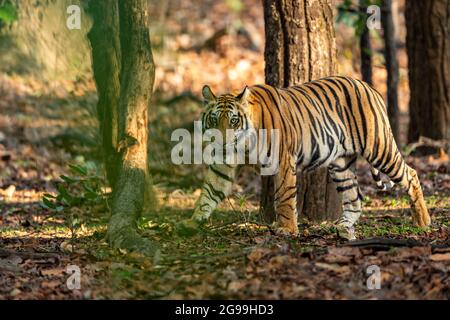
<point>300,46</point>
<point>125,73</point>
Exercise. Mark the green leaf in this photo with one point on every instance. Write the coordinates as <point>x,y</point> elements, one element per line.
<point>47,204</point>
<point>67,179</point>
<point>8,13</point>
<point>78,169</point>
<point>360,25</point>
<point>88,188</point>
<point>91,195</point>
<point>66,197</point>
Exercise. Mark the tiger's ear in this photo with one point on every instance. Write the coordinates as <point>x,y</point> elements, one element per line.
<point>208,95</point>
<point>242,97</point>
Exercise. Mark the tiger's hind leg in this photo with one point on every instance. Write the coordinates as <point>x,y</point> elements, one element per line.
<point>383,186</point>
<point>410,181</point>
<point>342,172</point>
<point>407,178</point>
<point>391,163</point>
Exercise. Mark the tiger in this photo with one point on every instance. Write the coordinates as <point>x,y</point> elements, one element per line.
<point>327,122</point>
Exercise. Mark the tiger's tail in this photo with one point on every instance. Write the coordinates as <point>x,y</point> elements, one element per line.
<point>383,186</point>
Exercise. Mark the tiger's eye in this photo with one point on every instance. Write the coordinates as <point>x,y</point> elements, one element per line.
<point>234,121</point>
<point>213,121</point>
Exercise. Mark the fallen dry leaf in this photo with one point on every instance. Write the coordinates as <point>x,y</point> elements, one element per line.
<point>53,272</point>
<point>334,267</point>
<point>50,284</point>
<point>235,286</point>
<point>440,256</point>
<point>258,254</point>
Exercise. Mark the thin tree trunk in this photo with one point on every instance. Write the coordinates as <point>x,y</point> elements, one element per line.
<point>390,54</point>
<point>365,48</point>
<point>125,73</point>
<point>428,46</point>
<point>300,47</point>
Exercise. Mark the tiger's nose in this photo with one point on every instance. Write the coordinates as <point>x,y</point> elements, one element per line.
<point>223,123</point>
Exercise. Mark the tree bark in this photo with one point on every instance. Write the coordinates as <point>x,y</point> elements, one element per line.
<point>365,48</point>
<point>390,54</point>
<point>106,63</point>
<point>300,47</point>
<point>125,74</point>
<point>428,43</point>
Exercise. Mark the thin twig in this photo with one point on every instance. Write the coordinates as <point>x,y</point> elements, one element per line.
<point>427,142</point>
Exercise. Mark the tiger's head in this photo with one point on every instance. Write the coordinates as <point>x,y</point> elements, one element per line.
<point>227,111</point>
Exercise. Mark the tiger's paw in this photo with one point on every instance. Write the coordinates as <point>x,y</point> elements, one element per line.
<point>188,227</point>
<point>421,222</point>
<point>346,233</point>
<point>422,219</point>
<point>287,231</point>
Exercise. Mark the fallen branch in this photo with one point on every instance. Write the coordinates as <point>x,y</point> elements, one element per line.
<point>387,243</point>
<point>427,142</point>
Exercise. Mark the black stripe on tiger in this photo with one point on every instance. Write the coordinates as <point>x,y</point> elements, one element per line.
<point>220,174</point>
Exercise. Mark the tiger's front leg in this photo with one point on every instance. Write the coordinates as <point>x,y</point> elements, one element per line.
<point>286,197</point>
<point>217,186</point>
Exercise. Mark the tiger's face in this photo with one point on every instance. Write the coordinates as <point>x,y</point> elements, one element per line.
<point>226,112</point>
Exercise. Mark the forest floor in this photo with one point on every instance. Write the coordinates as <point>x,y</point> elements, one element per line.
<point>234,257</point>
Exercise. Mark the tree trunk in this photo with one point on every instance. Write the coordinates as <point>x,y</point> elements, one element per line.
<point>125,73</point>
<point>300,47</point>
<point>106,63</point>
<point>365,48</point>
<point>390,54</point>
<point>428,43</point>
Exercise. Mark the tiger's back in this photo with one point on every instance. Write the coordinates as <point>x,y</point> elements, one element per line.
<point>325,119</point>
